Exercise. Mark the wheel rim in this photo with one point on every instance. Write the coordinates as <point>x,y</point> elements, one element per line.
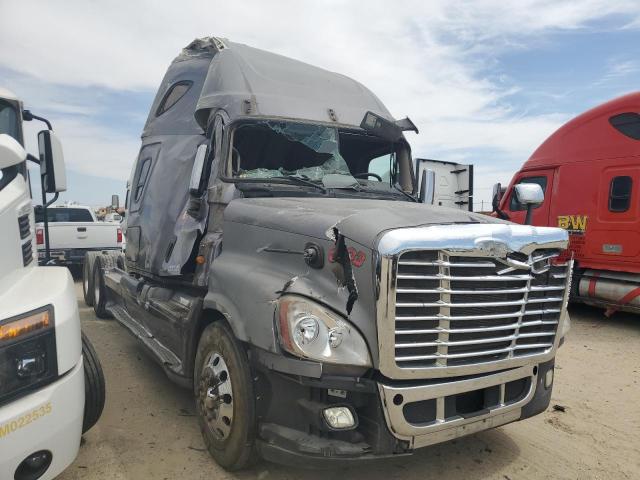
<point>216,396</point>
<point>96,286</point>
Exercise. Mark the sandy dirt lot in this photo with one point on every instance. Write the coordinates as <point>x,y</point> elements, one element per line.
<point>148,429</point>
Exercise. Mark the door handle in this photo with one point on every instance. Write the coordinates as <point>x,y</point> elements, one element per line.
<point>82,229</point>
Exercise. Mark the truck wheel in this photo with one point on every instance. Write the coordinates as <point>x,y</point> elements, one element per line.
<point>87,277</point>
<point>102,263</point>
<point>224,397</point>
<point>94,389</point>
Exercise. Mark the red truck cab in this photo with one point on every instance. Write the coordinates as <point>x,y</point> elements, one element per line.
<point>589,170</point>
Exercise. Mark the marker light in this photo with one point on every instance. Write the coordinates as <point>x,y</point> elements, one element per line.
<point>25,325</point>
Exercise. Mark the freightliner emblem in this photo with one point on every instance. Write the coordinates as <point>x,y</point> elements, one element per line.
<point>499,251</point>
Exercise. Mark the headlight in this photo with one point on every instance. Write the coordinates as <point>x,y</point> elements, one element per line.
<point>311,331</point>
<point>27,353</point>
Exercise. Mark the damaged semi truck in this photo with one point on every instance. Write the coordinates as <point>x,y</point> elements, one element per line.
<point>279,262</point>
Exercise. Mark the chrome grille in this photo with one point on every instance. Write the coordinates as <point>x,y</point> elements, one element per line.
<point>455,310</point>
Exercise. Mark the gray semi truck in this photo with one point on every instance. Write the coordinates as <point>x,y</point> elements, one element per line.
<point>282,263</point>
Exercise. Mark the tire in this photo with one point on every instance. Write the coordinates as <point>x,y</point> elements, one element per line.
<point>223,388</point>
<point>102,263</point>
<point>87,277</point>
<point>120,261</point>
<point>94,388</point>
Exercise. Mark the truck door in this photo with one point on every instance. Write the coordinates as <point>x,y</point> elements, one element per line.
<point>615,236</point>
<point>516,211</point>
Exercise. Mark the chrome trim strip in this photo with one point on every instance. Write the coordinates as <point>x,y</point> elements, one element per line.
<point>511,326</point>
<point>517,314</point>
<point>550,288</point>
<point>442,428</point>
<point>441,303</point>
<point>469,239</point>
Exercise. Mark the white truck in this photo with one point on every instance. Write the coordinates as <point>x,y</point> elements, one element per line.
<point>452,183</point>
<point>74,230</point>
<point>51,382</point>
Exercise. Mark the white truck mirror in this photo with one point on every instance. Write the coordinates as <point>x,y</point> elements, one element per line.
<point>51,162</point>
<point>428,186</point>
<point>11,152</point>
<point>529,195</point>
<point>115,202</point>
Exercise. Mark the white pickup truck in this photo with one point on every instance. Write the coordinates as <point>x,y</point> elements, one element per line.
<point>73,231</point>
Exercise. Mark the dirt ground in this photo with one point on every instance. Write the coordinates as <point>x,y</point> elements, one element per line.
<point>148,429</point>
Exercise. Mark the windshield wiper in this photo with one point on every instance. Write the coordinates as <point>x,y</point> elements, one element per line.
<point>409,196</point>
<point>300,181</point>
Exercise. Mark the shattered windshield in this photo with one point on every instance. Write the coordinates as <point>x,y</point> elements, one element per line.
<point>349,161</point>
<point>271,149</point>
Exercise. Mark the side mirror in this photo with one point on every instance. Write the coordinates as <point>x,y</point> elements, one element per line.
<point>529,195</point>
<point>11,152</point>
<point>428,186</point>
<point>115,202</point>
<point>381,127</point>
<point>51,162</point>
<point>496,196</point>
<point>196,171</point>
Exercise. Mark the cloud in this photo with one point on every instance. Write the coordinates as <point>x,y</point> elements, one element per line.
<point>90,148</point>
<point>435,61</point>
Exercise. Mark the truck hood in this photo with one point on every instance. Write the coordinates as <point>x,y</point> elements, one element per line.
<point>360,220</point>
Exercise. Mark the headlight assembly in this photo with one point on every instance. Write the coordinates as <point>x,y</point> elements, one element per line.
<point>311,331</point>
<point>27,353</point>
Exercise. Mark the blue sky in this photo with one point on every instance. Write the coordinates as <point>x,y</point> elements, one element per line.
<point>485,81</point>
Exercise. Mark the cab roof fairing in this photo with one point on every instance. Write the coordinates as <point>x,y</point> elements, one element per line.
<point>249,82</point>
<point>588,136</point>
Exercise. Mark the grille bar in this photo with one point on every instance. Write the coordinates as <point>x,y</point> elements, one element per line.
<point>526,346</point>
<point>545,311</point>
<point>477,342</point>
<point>444,263</point>
<point>24,226</point>
<point>486,278</point>
<point>511,326</point>
<point>482,292</point>
<point>481,304</point>
<point>27,253</point>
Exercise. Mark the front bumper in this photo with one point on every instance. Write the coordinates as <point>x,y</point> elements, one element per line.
<point>395,418</point>
<point>47,419</point>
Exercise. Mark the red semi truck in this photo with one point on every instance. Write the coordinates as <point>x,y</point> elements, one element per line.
<point>589,170</point>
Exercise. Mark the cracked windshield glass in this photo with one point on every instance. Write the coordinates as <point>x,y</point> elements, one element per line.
<point>282,149</point>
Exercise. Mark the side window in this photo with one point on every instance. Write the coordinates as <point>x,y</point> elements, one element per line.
<point>620,193</point>
<point>175,93</point>
<point>142,178</point>
<point>627,123</point>
<point>139,182</point>
<point>514,205</point>
<point>381,166</point>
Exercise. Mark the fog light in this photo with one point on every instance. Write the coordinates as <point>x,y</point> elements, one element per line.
<point>34,466</point>
<point>548,378</point>
<point>339,418</point>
